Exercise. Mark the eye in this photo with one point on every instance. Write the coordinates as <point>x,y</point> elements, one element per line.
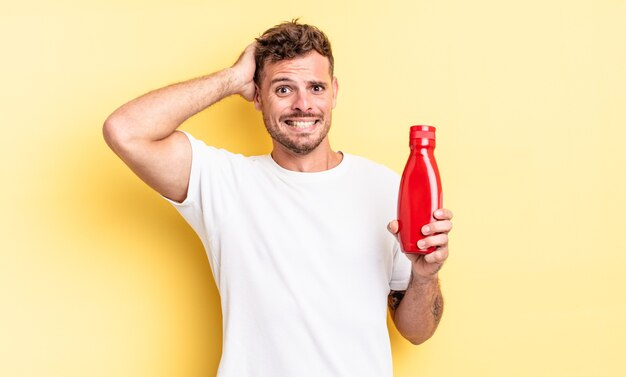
<point>318,88</point>
<point>283,90</point>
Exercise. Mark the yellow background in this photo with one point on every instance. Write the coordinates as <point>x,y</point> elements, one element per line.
<point>100,277</point>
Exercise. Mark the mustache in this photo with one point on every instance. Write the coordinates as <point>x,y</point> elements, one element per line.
<point>300,114</point>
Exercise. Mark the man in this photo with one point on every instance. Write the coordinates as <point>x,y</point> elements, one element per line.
<point>296,239</point>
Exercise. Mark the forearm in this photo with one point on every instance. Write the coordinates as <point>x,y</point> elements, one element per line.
<point>418,313</point>
<point>157,114</point>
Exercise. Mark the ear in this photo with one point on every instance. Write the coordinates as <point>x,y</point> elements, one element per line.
<point>335,90</point>
<point>257,97</point>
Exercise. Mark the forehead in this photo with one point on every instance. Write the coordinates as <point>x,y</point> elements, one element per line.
<point>311,66</point>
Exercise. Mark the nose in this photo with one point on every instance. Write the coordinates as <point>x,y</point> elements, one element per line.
<point>302,101</point>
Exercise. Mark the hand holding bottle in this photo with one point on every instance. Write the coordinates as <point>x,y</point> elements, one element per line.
<point>426,266</point>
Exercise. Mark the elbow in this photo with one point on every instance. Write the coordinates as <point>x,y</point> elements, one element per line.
<point>419,338</point>
<point>417,333</point>
<point>115,132</point>
<point>416,341</point>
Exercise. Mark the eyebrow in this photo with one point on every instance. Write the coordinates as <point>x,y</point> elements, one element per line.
<point>288,80</point>
<point>280,79</point>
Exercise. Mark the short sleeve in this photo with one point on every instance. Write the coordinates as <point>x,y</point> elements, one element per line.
<point>211,188</point>
<point>401,273</point>
<point>193,187</point>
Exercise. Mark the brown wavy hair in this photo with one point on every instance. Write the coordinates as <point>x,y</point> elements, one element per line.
<point>289,40</point>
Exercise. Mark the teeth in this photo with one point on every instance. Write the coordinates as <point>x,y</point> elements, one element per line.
<point>301,124</point>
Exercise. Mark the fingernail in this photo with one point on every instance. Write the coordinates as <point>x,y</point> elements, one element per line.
<point>421,244</point>
<point>425,229</point>
<point>438,213</point>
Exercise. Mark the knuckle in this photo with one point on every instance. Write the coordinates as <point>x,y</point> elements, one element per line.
<point>439,240</point>
<point>449,225</point>
<point>444,253</point>
<point>443,226</point>
<point>444,239</point>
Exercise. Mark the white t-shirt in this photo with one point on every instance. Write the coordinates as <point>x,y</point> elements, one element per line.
<point>303,262</point>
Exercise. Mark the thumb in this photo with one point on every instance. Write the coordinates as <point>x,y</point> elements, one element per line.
<point>392,227</point>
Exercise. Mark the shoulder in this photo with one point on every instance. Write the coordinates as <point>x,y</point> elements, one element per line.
<point>204,154</point>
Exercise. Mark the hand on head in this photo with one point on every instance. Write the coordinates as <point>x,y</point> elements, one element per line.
<point>243,70</point>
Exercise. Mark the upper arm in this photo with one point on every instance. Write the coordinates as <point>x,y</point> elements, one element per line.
<point>165,165</point>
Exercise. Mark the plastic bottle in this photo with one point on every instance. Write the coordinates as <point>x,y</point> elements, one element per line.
<point>420,190</point>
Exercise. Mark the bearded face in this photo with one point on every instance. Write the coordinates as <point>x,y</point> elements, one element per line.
<point>296,97</point>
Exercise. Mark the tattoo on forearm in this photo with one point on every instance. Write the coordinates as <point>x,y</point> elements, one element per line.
<point>394,299</point>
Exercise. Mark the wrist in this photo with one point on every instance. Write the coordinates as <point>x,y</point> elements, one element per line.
<point>237,82</point>
<point>231,81</point>
<point>420,279</point>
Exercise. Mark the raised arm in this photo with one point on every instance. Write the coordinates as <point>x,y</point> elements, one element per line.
<point>143,131</point>
<point>417,311</point>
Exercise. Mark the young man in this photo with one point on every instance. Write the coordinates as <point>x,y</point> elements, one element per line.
<point>296,239</point>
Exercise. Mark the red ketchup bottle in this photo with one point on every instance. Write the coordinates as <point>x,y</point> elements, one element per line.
<point>420,190</point>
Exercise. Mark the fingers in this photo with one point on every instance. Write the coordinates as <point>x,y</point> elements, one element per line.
<point>438,256</point>
<point>443,214</point>
<point>438,240</point>
<point>436,236</point>
<point>244,69</point>
<point>443,226</point>
<point>251,47</point>
<point>248,52</point>
<point>393,227</point>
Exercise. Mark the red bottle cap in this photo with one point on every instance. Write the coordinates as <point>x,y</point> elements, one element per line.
<point>422,132</point>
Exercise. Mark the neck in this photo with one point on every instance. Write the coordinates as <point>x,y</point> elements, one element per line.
<point>321,159</point>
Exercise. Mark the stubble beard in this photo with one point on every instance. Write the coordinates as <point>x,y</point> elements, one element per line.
<point>300,144</point>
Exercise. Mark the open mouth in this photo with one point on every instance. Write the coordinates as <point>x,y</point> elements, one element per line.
<point>301,124</point>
